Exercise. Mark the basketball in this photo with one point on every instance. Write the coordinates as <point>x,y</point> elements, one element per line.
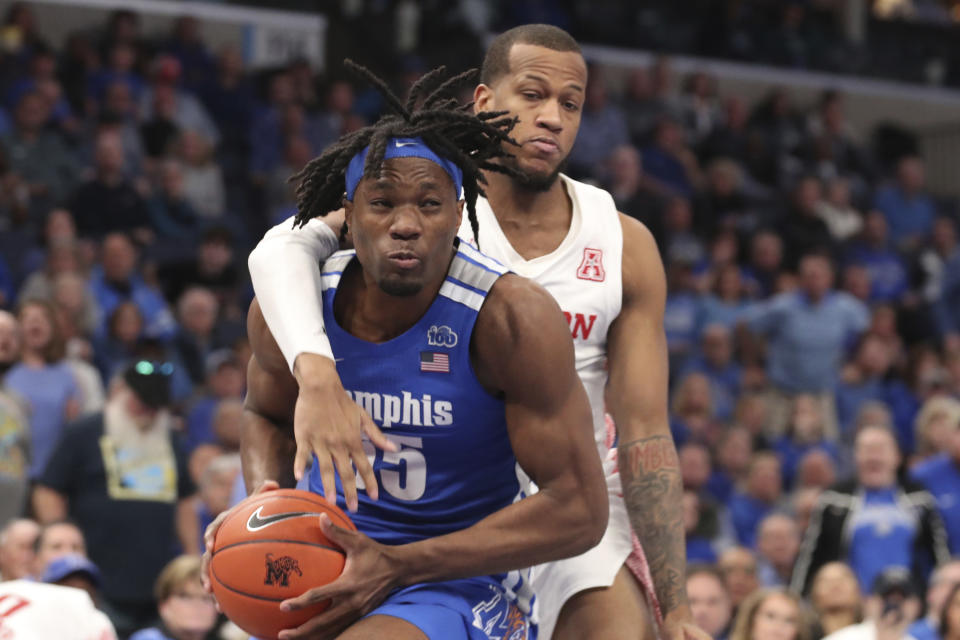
<point>270,549</point>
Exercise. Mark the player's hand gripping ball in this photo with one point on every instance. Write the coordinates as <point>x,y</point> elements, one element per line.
<point>270,548</point>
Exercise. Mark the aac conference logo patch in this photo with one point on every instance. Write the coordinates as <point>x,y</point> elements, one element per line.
<point>442,336</point>
<point>591,267</point>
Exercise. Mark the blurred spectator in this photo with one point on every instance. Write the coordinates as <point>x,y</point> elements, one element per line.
<point>806,432</point>
<point>116,280</point>
<point>213,268</point>
<point>727,303</point>
<point>817,469</point>
<point>162,97</point>
<point>76,571</point>
<point>226,423</point>
<point>888,272</point>
<point>943,584</point>
<point>17,538</point>
<point>710,603</point>
<point>44,380</point>
<point>909,210</point>
<point>698,104</point>
<point>806,231</point>
<point>931,262</point>
<point>934,426</point>
<point>835,209</point>
<point>778,541</point>
<point>603,127</point>
<point>38,157</point>
<point>870,512</point>
<point>62,257</point>
<point>280,192</point>
<point>77,311</point>
<point>56,539</point>
<point>189,49</point>
<point>159,131</point>
<point>681,245</point>
<point>119,70</point>
<point>729,137</point>
<point>197,311</point>
<point>692,415</point>
<point>682,315</point>
<point>225,379</point>
<point>734,452</point>
<point>830,149</point>
<point>203,184</point>
<point>42,78</point>
<point>118,115</point>
<point>718,365</point>
<point>890,609</point>
<point>738,566</point>
<point>778,133</point>
<point>646,101</point>
<point>108,202</point>
<point>835,596</point>
<point>722,204</point>
<point>117,345</point>
<point>187,611</point>
<point>229,97</point>
<point>122,470</point>
<point>172,215</point>
<point>751,503</point>
<point>866,379</point>
<point>14,432</point>
<point>766,263</point>
<point>670,162</point>
<point>771,614</point>
<point>214,488</point>
<point>632,195</point>
<point>706,528</point>
<point>807,330</point>
<point>940,475</point>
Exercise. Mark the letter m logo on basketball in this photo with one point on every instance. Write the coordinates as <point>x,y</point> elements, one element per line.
<point>279,570</point>
<point>591,268</point>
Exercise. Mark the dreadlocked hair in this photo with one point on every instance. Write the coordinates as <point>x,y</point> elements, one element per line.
<point>471,141</point>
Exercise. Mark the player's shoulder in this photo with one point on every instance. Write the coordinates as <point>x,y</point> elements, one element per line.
<point>642,266</point>
<point>48,595</point>
<point>515,309</point>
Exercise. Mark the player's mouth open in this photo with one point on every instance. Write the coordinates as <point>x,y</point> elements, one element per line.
<point>404,259</point>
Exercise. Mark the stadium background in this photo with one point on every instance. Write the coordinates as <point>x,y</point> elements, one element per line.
<point>144,151</point>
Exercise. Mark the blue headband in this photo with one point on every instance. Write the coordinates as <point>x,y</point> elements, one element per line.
<point>401,148</point>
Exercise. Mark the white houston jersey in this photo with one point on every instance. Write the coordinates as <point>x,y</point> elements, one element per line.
<point>38,611</point>
<point>583,274</point>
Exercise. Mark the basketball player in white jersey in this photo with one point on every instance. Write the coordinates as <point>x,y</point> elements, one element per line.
<point>32,610</point>
<point>605,271</point>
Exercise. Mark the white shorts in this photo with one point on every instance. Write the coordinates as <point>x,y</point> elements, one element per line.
<point>556,582</point>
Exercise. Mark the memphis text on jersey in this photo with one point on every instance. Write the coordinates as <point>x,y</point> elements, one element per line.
<point>406,408</point>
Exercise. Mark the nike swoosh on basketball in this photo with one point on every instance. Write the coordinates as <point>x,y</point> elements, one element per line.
<point>255,522</point>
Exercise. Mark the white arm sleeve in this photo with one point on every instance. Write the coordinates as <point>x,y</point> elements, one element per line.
<point>284,268</point>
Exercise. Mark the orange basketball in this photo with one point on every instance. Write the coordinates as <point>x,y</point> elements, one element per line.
<point>271,549</point>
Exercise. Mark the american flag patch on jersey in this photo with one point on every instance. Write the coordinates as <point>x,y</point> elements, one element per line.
<point>432,361</point>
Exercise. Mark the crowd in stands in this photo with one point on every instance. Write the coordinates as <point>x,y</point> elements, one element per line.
<point>813,324</point>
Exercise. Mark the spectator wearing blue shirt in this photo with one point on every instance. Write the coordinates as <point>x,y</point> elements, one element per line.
<point>116,281</point>
<point>44,380</point>
<point>691,412</point>
<point>941,477</point>
<point>682,314</point>
<point>716,362</point>
<point>808,332</point>
<point>947,306</point>
<point>805,433</point>
<point>873,522</point>
<point>762,274</point>
<point>942,583</point>
<point>119,69</point>
<point>757,498</point>
<point>866,379</point>
<point>887,270</point>
<point>908,208</point>
<point>727,302</point>
<point>778,541</point>
<point>669,161</point>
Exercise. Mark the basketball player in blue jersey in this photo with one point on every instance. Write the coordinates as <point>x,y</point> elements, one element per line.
<point>604,270</point>
<point>469,372</point>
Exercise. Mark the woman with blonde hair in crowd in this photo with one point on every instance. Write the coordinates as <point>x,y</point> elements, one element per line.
<point>187,612</point>
<point>934,425</point>
<point>835,596</point>
<point>772,614</point>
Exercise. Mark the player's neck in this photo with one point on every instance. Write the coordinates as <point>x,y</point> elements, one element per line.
<point>367,312</point>
<point>519,205</point>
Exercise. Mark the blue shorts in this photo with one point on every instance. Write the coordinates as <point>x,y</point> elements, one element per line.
<point>471,609</point>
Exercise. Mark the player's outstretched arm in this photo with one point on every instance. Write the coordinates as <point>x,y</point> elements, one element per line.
<point>637,399</point>
<point>521,350</point>
<point>286,279</point>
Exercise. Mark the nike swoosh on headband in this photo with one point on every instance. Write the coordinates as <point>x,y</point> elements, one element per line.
<point>256,523</point>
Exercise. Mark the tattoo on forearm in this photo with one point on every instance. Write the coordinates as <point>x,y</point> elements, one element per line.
<point>653,491</point>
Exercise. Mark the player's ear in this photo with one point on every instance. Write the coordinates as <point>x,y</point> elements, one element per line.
<point>483,98</point>
<point>460,204</point>
<point>347,210</point>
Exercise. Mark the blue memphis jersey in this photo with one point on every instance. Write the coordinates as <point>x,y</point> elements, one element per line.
<point>455,464</point>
